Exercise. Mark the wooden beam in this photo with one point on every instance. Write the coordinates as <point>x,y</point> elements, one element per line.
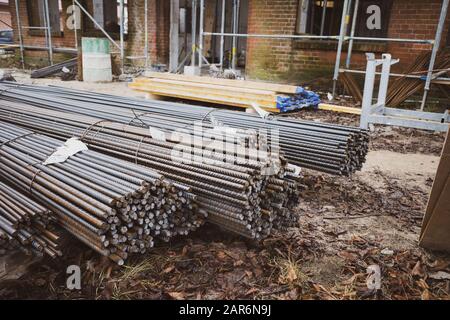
<point>265,101</point>
<point>207,86</point>
<point>331,107</point>
<point>203,96</point>
<point>278,88</point>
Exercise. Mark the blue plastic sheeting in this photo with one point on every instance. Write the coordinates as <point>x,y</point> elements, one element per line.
<point>302,99</point>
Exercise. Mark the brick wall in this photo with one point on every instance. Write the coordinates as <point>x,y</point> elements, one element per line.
<point>5,17</point>
<point>64,40</point>
<point>158,21</point>
<point>415,19</point>
<point>300,60</point>
<point>158,26</point>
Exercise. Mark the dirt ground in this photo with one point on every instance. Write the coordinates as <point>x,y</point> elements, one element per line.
<point>346,225</point>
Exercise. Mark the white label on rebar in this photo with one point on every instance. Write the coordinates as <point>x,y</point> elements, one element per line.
<point>262,113</point>
<point>297,170</point>
<point>157,134</point>
<point>226,130</point>
<point>70,148</point>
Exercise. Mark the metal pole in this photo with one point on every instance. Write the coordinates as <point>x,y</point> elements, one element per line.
<point>97,24</point>
<point>436,46</point>
<point>75,14</point>
<point>146,33</point>
<point>324,15</point>
<point>222,37</point>
<point>49,31</point>
<point>271,36</point>
<point>236,4</point>
<point>122,30</point>
<point>200,40</point>
<point>369,83</point>
<point>194,31</point>
<point>304,36</point>
<point>344,22</point>
<point>352,34</point>
<point>19,27</point>
<point>174,35</point>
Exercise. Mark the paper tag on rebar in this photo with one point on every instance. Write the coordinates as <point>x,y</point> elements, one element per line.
<point>157,134</point>
<point>226,130</point>
<point>214,121</point>
<point>262,113</point>
<point>297,170</point>
<point>70,148</point>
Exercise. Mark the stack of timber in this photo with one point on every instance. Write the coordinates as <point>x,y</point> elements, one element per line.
<point>334,149</point>
<point>237,93</point>
<point>26,225</point>
<point>113,206</point>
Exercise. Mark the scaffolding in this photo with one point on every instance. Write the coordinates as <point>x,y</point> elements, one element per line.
<point>342,38</point>
<point>378,113</point>
<point>48,33</point>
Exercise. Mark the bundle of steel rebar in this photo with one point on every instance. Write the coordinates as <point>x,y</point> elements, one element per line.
<point>333,149</point>
<point>53,69</point>
<point>402,88</point>
<point>246,195</point>
<point>113,206</point>
<point>26,225</point>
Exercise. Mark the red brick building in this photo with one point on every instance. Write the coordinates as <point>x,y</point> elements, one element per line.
<point>304,59</point>
<point>277,59</point>
<point>106,13</point>
<point>5,16</point>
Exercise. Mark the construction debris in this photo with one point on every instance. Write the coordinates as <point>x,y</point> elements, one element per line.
<point>334,149</point>
<point>236,93</point>
<point>64,68</point>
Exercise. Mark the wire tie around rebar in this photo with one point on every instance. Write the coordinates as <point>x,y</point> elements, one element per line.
<point>138,117</point>
<point>39,170</point>
<point>98,131</point>
<point>16,138</point>
<point>90,128</point>
<point>32,180</point>
<point>138,149</point>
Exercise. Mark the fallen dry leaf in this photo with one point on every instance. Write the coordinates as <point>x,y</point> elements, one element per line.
<point>440,275</point>
<point>169,269</point>
<point>176,295</point>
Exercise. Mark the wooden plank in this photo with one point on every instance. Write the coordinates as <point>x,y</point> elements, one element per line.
<point>436,223</point>
<point>207,86</point>
<point>212,98</point>
<point>332,107</point>
<point>204,97</point>
<point>269,100</point>
<point>436,233</point>
<point>267,96</point>
<point>278,88</point>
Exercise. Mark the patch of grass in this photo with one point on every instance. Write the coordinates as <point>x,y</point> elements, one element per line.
<point>289,272</point>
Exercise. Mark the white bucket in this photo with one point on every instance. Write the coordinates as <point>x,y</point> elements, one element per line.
<point>97,67</point>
